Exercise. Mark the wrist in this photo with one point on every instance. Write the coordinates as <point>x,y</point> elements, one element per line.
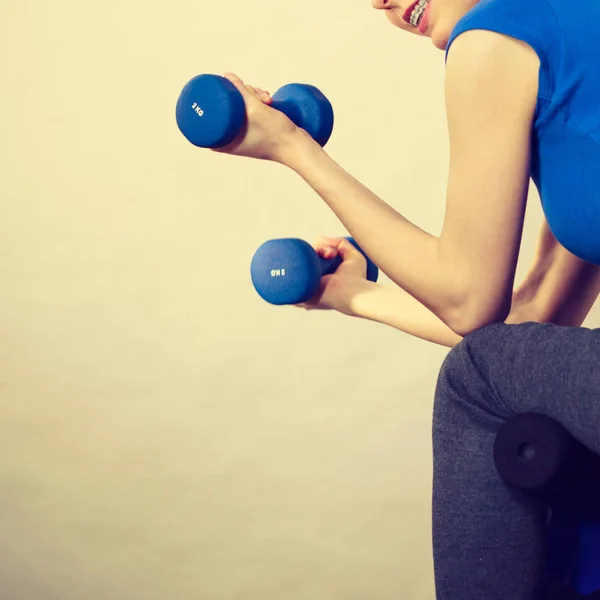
<point>294,147</point>
<point>363,298</point>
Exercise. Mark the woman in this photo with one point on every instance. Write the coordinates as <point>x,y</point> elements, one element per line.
<point>523,100</point>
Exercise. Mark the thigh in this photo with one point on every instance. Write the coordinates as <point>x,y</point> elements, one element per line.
<point>536,367</point>
<point>489,539</point>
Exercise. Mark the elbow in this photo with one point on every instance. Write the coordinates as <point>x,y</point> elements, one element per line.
<point>474,313</point>
<point>465,326</point>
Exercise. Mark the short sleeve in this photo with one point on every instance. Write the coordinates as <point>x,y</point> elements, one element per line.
<point>531,21</point>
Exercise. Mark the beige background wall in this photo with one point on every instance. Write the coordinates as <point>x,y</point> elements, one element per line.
<point>164,433</point>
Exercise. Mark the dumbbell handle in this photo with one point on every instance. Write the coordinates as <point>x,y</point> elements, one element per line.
<point>330,265</point>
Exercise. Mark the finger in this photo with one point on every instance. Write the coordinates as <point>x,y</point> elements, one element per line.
<point>263,95</point>
<point>253,90</point>
<point>341,246</point>
<point>347,251</point>
<point>248,90</point>
<point>256,92</point>
<point>239,84</point>
<point>326,252</point>
<point>327,242</point>
<point>334,242</point>
<point>303,305</point>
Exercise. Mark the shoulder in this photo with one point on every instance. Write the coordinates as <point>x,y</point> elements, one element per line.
<point>509,30</point>
<point>490,68</point>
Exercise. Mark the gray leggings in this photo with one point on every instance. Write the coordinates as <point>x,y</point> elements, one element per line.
<point>489,540</point>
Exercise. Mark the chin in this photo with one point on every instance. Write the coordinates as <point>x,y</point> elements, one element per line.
<point>439,38</point>
<point>441,43</point>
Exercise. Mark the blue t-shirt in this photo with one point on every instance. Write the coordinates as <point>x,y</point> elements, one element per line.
<point>565,163</point>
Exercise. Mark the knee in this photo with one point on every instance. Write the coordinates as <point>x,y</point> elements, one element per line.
<point>467,361</point>
<point>487,351</point>
<point>466,380</point>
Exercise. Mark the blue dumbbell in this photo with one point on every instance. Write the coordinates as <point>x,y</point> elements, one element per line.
<point>289,270</point>
<point>211,112</point>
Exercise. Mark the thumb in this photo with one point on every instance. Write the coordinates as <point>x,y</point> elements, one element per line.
<point>347,250</point>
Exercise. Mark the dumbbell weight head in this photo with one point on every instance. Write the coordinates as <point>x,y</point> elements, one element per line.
<point>308,108</point>
<point>210,111</point>
<point>289,271</point>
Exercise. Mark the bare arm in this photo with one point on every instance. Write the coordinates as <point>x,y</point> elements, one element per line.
<point>465,276</point>
<point>393,306</point>
<point>559,288</point>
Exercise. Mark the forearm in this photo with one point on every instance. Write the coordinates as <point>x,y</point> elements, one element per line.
<point>408,255</point>
<point>561,287</point>
<point>393,306</point>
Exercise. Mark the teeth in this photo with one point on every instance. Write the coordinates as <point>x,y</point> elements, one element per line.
<point>417,13</point>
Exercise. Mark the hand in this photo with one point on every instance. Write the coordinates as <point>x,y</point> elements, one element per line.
<point>338,290</point>
<point>266,130</point>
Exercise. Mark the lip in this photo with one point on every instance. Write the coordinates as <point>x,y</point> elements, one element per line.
<point>424,24</point>
<point>406,15</point>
